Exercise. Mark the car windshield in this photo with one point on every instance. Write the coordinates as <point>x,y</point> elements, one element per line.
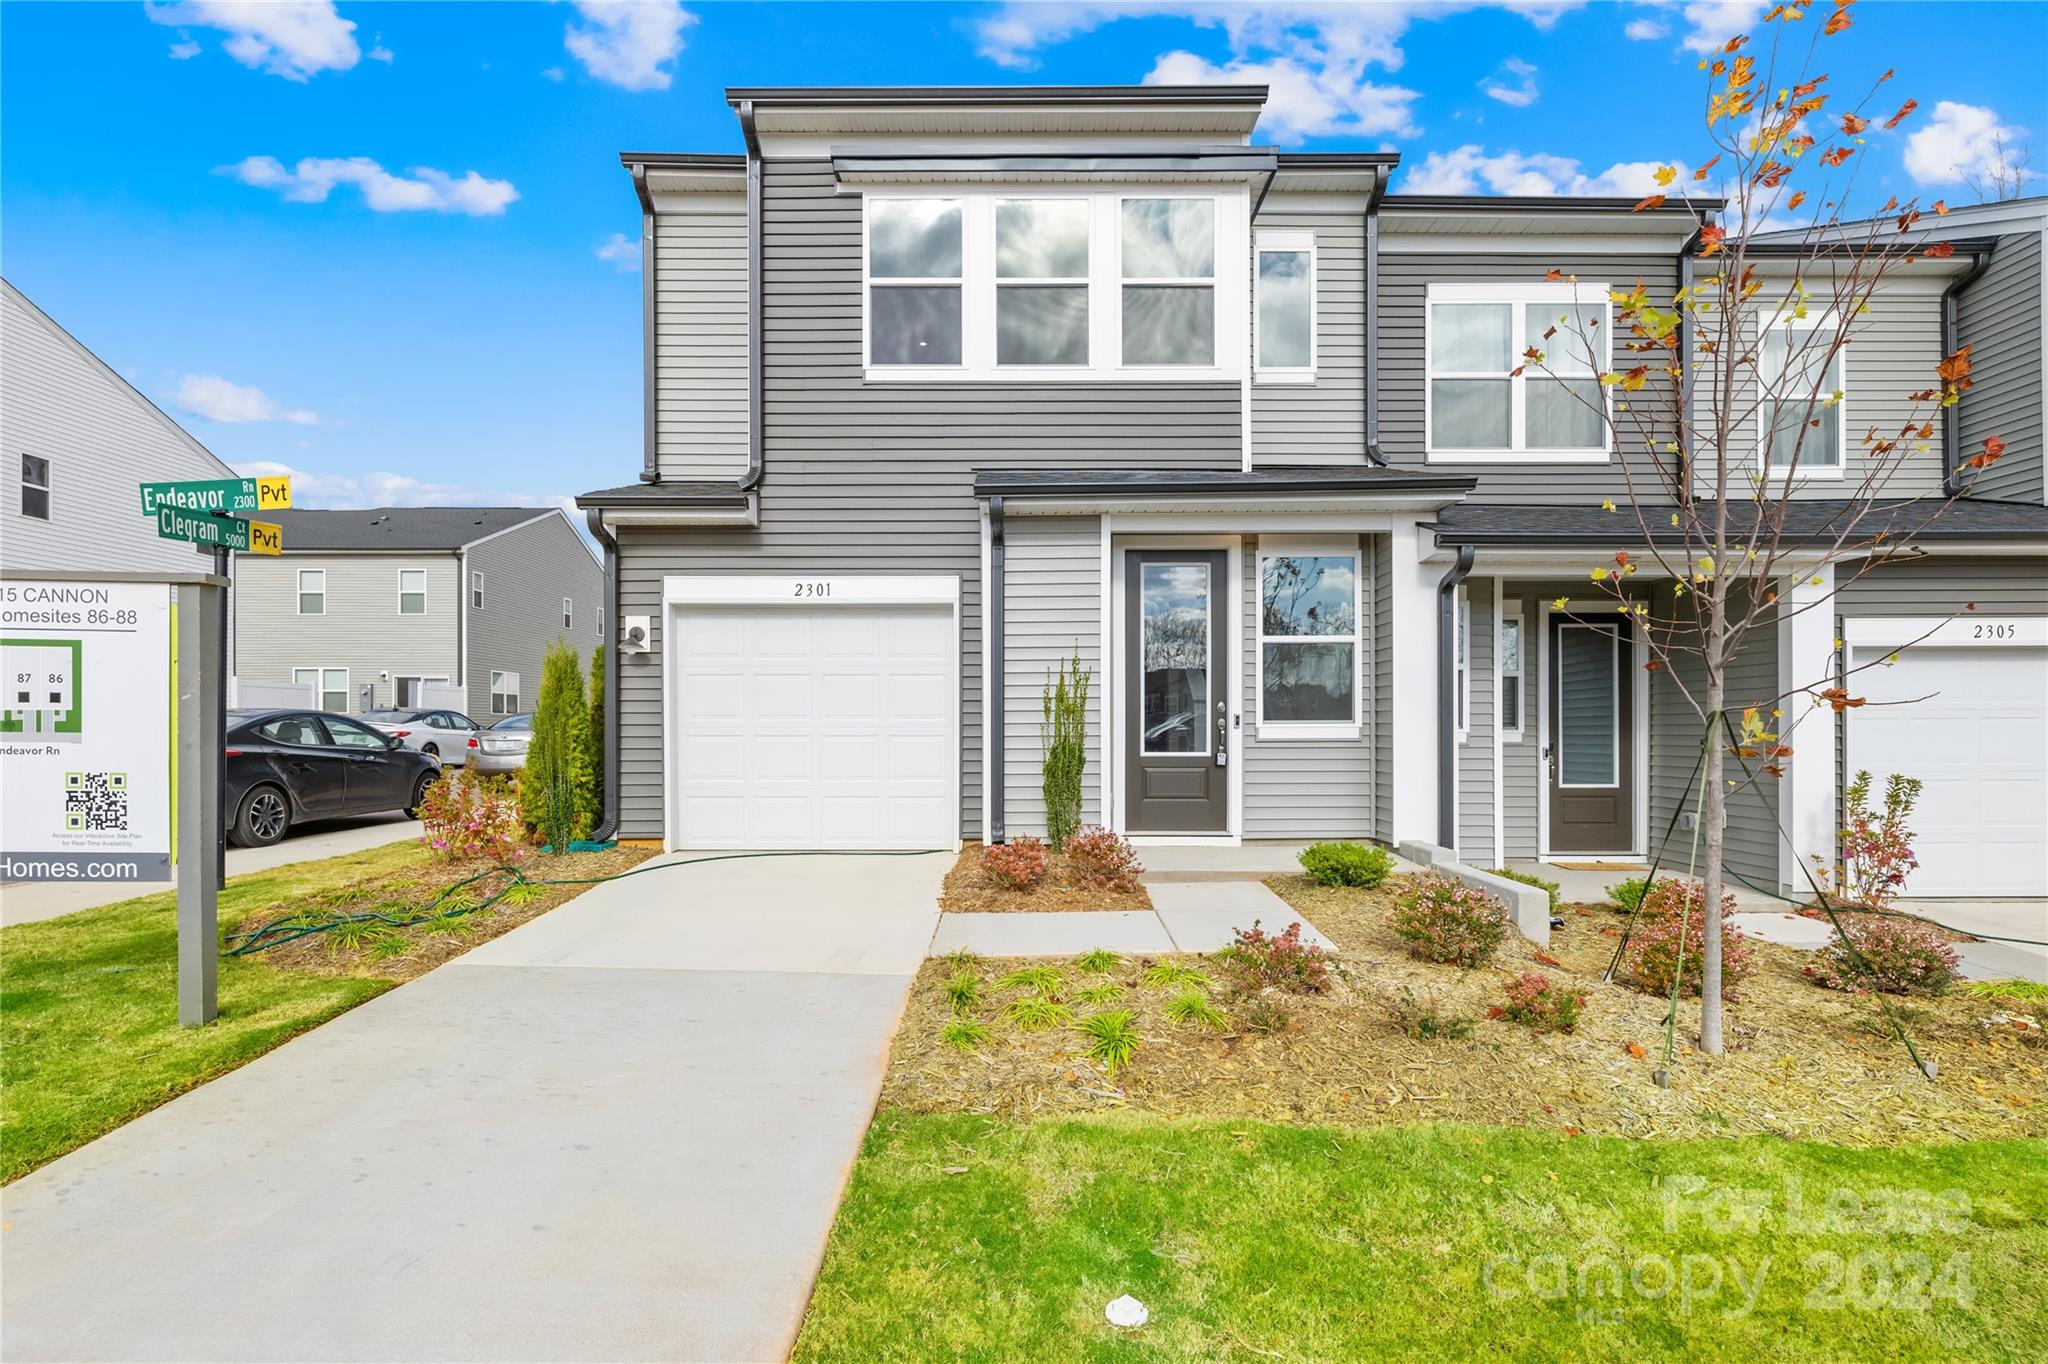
<point>391,717</point>
<point>515,722</point>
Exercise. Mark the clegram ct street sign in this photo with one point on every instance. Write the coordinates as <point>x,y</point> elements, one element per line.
<point>219,532</point>
<point>229,495</point>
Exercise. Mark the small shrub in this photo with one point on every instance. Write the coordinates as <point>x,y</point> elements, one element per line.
<point>1628,894</point>
<point>390,942</point>
<point>1260,960</point>
<point>1036,1013</point>
<point>1262,1014</point>
<point>467,817</point>
<point>963,991</point>
<point>1194,1007</point>
<point>1104,858</point>
<point>1103,993</point>
<point>1877,847</point>
<point>1534,1002</point>
<point>1063,740</point>
<point>960,959</point>
<point>964,1034</point>
<point>1016,865</point>
<point>1424,1020</point>
<point>1529,878</point>
<point>1673,894</point>
<point>1043,979</point>
<point>1898,958</point>
<point>558,793</point>
<point>1099,959</point>
<point>1168,975</point>
<point>1112,1038</point>
<point>1651,959</point>
<point>1445,920</point>
<point>1346,864</point>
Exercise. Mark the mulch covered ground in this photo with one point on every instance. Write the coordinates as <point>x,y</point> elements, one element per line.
<point>393,953</point>
<point>1803,1062</point>
<point>970,890</point>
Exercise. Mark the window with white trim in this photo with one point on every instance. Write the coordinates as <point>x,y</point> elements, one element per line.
<point>312,591</point>
<point>568,614</point>
<point>330,686</point>
<point>916,269</point>
<point>504,693</point>
<point>35,487</point>
<point>1510,671</point>
<point>1308,640</point>
<point>412,591</point>
<point>476,589</point>
<point>1285,304</point>
<point>1042,271</point>
<point>1489,401</point>
<point>1461,690</point>
<point>1167,262</point>
<point>1802,394</point>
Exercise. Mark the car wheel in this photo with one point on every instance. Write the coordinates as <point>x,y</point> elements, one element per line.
<point>432,750</point>
<point>264,817</point>
<point>419,794</point>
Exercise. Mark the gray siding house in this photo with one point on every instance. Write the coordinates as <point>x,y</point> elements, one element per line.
<point>944,386</point>
<point>365,606</point>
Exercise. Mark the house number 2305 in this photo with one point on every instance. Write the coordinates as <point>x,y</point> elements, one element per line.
<point>813,590</point>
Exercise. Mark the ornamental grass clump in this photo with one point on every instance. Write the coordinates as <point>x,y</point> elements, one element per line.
<point>1016,865</point>
<point>1104,858</point>
<point>1533,1002</point>
<point>1444,920</point>
<point>1667,949</point>
<point>1346,864</point>
<point>1891,956</point>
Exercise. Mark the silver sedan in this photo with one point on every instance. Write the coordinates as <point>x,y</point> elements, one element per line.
<point>443,733</point>
<point>502,747</point>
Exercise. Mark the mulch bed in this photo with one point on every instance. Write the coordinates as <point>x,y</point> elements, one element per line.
<point>404,953</point>
<point>1802,1062</point>
<point>970,890</point>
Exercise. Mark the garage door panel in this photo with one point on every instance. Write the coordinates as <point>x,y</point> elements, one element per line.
<point>713,758</point>
<point>715,696</point>
<point>853,697</point>
<point>781,696</point>
<point>849,634</point>
<point>849,759</point>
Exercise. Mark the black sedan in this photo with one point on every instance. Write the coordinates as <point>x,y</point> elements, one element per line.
<point>287,765</point>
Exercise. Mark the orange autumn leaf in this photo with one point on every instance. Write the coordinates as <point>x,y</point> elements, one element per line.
<point>1553,275</point>
<point>1737,41</point>
<point>1701,173</point>
<point>1939,251</point>
<point>1711,238</point>
<point>1650,201</point>
<point>1840,700</point>
<point>1837,21</point>
<point>1852,124</point>
<point>1954,372</point>
<point>1796,200</point>
<point>1835,156</point>
<point>1941,208</point>
<point>1638,1050</point>
<point>1993,448</point>
<point>1900,117</point>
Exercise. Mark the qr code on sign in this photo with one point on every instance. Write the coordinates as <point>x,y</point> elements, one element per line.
<point>96,802</point>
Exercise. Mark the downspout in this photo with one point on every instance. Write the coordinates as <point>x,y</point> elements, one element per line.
<point>754,291</point>
<point>1447,696</point>
<point>650,468</point>
<point>1372,319</point>
<point>1951,342</point>
<point>992,686</point>
<point>608,820</point>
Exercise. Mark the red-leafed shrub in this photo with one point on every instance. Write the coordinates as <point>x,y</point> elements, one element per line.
<point>1104,858</point>
<point>1898,958</point>
<point>1535,1003</point>
<point>1668,948</point>
<point>468,816</point>
<point>1260,959</point>
<point>1669,896</point>
<point>1018,864</point>
<point>1446,920</point>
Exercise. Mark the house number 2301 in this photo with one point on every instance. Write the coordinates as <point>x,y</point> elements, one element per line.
<point>813,590</point>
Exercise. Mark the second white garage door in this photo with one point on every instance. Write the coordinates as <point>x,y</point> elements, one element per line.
<point>824,727</point>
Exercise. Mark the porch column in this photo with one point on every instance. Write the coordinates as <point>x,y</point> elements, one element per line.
<point>1806,665</point>
<point>1413,643</point>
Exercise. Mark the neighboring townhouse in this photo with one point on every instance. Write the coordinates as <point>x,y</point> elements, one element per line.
<point>367,606</point>
<point>944,386</point>
<point>79,442</point>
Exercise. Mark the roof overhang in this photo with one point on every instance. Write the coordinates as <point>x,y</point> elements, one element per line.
<point>1559,226</point>
<point>882,166</point>
<point>1053,492</point>
<point>673,504</point>
<point>1819,524</point>
<point>674,182</point>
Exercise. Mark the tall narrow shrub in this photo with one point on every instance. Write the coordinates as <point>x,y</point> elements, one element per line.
<point>594,750</point>
<point>553,788</point>
<point>1063,738</point>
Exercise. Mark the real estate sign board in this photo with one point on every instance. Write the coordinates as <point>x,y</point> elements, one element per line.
<point>86,725</point>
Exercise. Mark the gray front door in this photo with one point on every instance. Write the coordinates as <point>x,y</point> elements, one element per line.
<point>1592,738</point>
<point>1177,697</point>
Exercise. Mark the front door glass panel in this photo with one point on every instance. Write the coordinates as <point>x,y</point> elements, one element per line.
<point>1174,648</point>
<point>1588,741</point>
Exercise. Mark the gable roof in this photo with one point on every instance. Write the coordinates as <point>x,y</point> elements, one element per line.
<point>399,528</point>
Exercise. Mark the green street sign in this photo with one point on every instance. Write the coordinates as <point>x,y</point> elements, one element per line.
<point>219,495</point>
<point>219,532</point>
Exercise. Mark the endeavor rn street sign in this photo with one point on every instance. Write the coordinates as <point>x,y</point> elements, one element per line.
<point>230,495</point>
<point>219,532</point>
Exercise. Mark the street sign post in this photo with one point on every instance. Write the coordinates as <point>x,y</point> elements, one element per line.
<point>219,531</point>
<point>230,495</point>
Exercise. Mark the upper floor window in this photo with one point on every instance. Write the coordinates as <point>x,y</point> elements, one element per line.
<point>35,487</point>
<point>568,614</point>
<point>1168,263</point>
<point>1308,640</point>
<point>1488,400</point>
<point>915,272</point>
<point>412,592</point>
<point>1802,385</point>
<point>1286,305</point>
<point>476,589</point>
<point>1042,281</point>
<point>312,591</point>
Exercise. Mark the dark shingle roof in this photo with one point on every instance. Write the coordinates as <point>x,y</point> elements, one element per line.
<point>662,494</point>
<point>1816,521</point>
<point>426,528</point>
<point>1360,478</point>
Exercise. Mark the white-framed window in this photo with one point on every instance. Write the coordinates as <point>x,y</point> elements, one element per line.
<point>1308,641</point>
<point>1486,401</point>
<point>568,614</point>
<point>1284,304</point>
<point>1461,662</point>
<point>1800,398</point>
<point>412,591</point>
<point>504,693</point>
<point>476,589</point>
<point>916,270</point>
<point>35,486</point>
<point>312,591</point>
<point>600,620</point>
<point>978,283</point>
<point>330,686</point>
<point>1509,669</point>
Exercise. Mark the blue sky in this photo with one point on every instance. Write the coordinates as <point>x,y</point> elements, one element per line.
<point>389,246</point>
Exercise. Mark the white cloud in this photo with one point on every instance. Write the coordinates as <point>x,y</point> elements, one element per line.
<point>1966,143</point>
<point>344,492</point>
<point>422,189</point>
<point>1711,23</point>
<point>381,53</point>
<point>1644,30</point>
<point>1302,101</point>
<point>184,50</point>
<point>1469,170</point>
<point>553,73</point>
<point>218,400</point>
<point>620,252</point>
<point>296,39</point>
<point>1519,95</point>
<point>626,42</point>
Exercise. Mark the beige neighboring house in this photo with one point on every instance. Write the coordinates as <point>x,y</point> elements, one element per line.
<point>367,606</point>
<point>79,440</point>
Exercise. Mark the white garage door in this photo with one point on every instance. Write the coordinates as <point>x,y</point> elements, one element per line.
<point>1979,740</point>
<point>823,727</point>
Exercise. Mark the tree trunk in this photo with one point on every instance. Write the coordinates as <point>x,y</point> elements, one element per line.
<point>1714,815</point>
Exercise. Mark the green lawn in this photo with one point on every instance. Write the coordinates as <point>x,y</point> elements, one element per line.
<point>89,1034</point>
<point>969,1238</point>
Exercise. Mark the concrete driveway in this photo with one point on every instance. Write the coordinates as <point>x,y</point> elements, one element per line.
<point>619,1132</point>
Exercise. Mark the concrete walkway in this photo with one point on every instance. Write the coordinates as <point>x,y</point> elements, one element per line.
<point>24,902</point>
<point>1201,915</point>
<point>619,1132</point>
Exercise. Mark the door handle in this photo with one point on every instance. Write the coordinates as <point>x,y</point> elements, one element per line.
<point>1222,734</point>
